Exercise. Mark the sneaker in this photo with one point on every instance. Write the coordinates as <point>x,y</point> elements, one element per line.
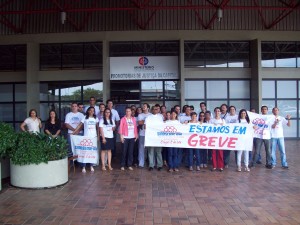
<point>170,170</point>
<point>239,169</point>
<point>213,169</point>
<point>285,167</point>
<point>201,165</point>
<point>247,169</point>
<point>221,169</point>
<point>205,165</point>
<point>273,166</point>
<point>92,169</point>
<point>198,168</point>
<point>83,170</point>
<point>176,170</point>
<point>191,168</point>
<point>122,168</point>
<point>130,168</point>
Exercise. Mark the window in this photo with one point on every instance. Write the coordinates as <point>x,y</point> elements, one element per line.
<point>13,57</point>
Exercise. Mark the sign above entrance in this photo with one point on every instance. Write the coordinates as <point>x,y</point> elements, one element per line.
<point>144,68</point>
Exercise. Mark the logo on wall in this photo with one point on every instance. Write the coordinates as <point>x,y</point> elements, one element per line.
<point>143,61</point>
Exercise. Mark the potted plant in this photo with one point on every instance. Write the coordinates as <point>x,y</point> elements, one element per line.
<point>36,160</point>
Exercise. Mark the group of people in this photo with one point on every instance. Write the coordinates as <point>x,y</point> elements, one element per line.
<point>104,122</point>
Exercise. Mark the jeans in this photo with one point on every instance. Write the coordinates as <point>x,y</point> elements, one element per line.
<point>203,156</point>
<point>151,155</point>
<point>193,152</point>
<point>127,150</point>
<point>164,154</point>
<point>136,152</point>
<point>258,146</point>
<point>281,147</point>
<point>179,156</point>
<point>239,158</point>
<point>226,155</point>
<point>142,151</point>
<point>172,158</point>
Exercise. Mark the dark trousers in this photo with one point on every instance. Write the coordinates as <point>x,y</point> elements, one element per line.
<point>127,152</point>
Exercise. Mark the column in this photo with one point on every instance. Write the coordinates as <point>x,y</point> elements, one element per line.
<point>106,77</point>
<point>181,71</point>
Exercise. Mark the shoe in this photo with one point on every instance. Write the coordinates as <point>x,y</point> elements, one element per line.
<point>247,169</point>
<point>213,169</point>
<point>176,170</point>
<point>285,167</point>
<point>103,168</point>
<point>92,169</point>
<point>198,168</point>
<point>269,166</point>
<point>191,168</point>
<point>239,169</point>
<point>205,165</point>
<point>159,168</point>
<point>122,168</point>
<point>226,166</point>
<point>110,168</point>
<point>258,162</point>
<point>170,170</point>
<point>130,168</point>
<point>201,165</point>
<point>83,170</point>
<point>141,167</point>
<point>273,166</point>
<point>221,169</point>
<point>150,168</point>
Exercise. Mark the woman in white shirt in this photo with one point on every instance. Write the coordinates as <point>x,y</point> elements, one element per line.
<point>107,127</point>
<point>90,123</point>
<point>244,119</point>
<point>33,123</point>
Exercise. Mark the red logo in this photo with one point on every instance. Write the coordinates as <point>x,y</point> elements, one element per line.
<point>86,142</point>
<point>170,129</point>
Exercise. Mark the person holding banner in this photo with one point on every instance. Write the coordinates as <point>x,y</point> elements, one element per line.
<point>203,152</point>
<point>277,137</point>
<point>194,151</point>
<point>244,119</point>
<point>90,126</point>
<point>217,155</point>
<point>107,127</point>
<point>128,135</point>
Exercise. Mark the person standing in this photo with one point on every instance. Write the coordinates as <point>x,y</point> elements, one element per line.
<point>100,115</point>
<point>72,120</point>
<point>277,137</point>
<point>141,120</point>
<point>92,104</point>
<point>128,135</point>
<point>194,151</point>
<point>107,126</point>
<point>116,119</point>
<point>52,125</point>
<point>80,107</point>
<point>90,126</point>
<point>154,152</point>
<point>203,152</point>
<point>183,154</point>
<point>32,123</point>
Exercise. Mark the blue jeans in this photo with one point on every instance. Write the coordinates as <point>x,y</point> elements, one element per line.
<point>127,152</point>
<point>193,152</point>
<point>281,147</point>
<point>172,158</point>
<point>179,156</point>
<point>203,156</point>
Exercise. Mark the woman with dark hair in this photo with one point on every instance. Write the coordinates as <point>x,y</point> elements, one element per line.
<point>107,127</point>
<point>244,119</point>
<point>90,124</point>
<point>53,125</point>
<point>203,152</point>
<point>33,123</point>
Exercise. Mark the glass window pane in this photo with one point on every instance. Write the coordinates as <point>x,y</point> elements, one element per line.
<point>216,89</point>
<point>49,92</point>
<point>270,104</point>
<point>72,55</point>
<point>211,105</point>
<point>268,54</point>
<point>71,93</point>
<point>21,56</point>
<point>20,112</point>
<point>64,110</point>
<point>7,57</point>
<point>6,112</point>
<point>194,89</point>
<point>286,89</point>
<point>92,55</point>
<point>152,90</point>
<point>216,54</point>
<point>238,54</point>
<point>239,89</point>
<point>95,90</point>
<point>170,104</point>
<point>6,93</point>
<point>287,107</point>
<point>290,131</point>
<point>194,54</point>
<point>268,89</point>
<point>244,104</point>
<point>45,108</point>
<point>50,56</point>
<point>172,90</point>
<point>20,92</point>
<point>285,54</point>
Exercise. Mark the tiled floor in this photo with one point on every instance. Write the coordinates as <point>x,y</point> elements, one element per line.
<point>141,197</point>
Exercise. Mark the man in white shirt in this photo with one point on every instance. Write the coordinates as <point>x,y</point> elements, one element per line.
<point>116,119</point>
<point>141,121</point>
<point>92,104</point>
<point>277,137</point>
<point>155,117</point>
<point>72,120</point>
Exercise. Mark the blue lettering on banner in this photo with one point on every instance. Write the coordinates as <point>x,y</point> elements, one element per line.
<point>85,147</point>
<point>209,129</point>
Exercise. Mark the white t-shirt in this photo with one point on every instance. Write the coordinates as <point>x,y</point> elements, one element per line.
<point>97,110</point>
<point>243,121</point>
<point>32,125</point>
<point>172,121</point>
<point>277,132</point>
<point>90,129</point>
<point>130,129</point>
<point>142,117</point>
<point>231,119</point>
<point>107,129</point>
<point>217,121</point>
<point>115,115</point>
<point>154,119</point>
<point>74,119</point>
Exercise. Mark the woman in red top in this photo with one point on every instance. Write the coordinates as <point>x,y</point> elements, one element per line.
<point>128,134</point>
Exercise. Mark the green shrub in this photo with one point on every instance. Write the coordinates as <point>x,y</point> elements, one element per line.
<point>7,138</point>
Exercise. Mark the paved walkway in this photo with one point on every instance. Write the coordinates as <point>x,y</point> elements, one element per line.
<point>259,197</point>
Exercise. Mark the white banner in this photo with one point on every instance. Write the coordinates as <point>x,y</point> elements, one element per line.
<point>144,68</point>
<point>206,136</point>
<point>86,149</point>
<point>262,123</point>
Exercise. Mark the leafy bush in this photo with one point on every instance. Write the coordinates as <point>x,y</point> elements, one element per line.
<point>7,138</point>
